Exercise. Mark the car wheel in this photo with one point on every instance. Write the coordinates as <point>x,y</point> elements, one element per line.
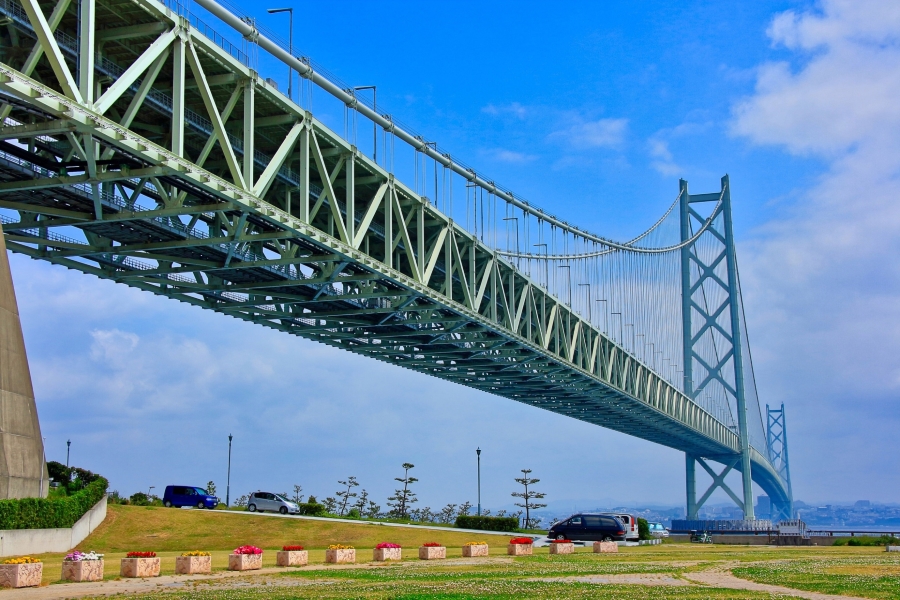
<point>167,504</point>
<point>607,539</point>
<point>560,537</point>
<point>251,508</point>
<point>283,510</point>
<point>200,505</point>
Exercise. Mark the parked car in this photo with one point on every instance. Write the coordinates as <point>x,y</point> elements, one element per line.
<point>188,495</point>
<point>657,530</point>
<point>588,527</point>
<point>631,525</point>
<point>263,501</point>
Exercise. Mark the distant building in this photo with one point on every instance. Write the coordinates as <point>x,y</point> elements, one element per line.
<point>862,504</point>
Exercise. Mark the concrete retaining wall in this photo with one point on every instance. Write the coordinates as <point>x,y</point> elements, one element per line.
<point>16,542</point>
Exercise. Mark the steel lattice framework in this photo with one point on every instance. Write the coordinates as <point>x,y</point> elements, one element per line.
<point>263,213</point>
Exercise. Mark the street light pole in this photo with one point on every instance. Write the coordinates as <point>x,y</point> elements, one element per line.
<point>374,126</point>
<point>478,453</point>
<point>290,12</point>
<point>68,448</point>
<point>228,481</point>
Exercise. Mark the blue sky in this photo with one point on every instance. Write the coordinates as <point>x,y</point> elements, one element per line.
<point>593,111</point>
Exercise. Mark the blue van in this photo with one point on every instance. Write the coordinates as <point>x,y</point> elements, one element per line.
<point>188,495</point>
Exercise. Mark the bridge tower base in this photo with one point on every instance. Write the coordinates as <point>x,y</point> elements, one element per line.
<point>23,471</point>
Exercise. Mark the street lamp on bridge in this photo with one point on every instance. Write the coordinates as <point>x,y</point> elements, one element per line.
<point>374,126</point>
<point>290,12</point>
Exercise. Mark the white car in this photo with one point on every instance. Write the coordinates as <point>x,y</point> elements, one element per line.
<point>266,501</point>
<point>658,531</point>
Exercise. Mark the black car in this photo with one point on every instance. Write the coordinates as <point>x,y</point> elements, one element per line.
<point>587,527</point>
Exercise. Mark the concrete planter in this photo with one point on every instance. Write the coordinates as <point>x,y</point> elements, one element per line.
<point>193,565</point>
<point>564,548</point>
<point>432,552</point>
<point>604,547</point>
<point>244,562</point>
<point>139,567</point>
<point>472,551</point>
<point>82,570</point>
<point>340,557</point>
<point>383,554</point>
<point>18,576</point>
<point>519,549</point>
<point>892,548</point>
<point>292,558</point>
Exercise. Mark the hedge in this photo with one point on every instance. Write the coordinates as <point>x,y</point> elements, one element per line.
<point>487,523</point>
<point>50,513</point>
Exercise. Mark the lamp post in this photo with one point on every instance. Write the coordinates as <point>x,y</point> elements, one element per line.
<point>374,126</point>
<point>68,448</point>
<point>478,454</point>
<point>150,490</point>
<point>290,11</point>
<point>228,481</point>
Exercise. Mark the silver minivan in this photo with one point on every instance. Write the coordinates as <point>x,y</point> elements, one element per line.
<point>263,501</point>
<point>631,525</point>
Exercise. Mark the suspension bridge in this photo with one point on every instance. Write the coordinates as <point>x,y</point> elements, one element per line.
<point>139,143</point>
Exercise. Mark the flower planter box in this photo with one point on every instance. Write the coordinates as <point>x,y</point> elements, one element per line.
<point>292,558</point>
<point>518,549</point>
<point>340,557</point>
<point>193,565</point>
<point>17,576</point>
<point>472,551</point>
<point>244,562</point>
<point>383,554</point>
<point>432,552</point>
<point>604,547</point>
<point>139,567</point>
<point>82,570</point>
<point>564,548</point>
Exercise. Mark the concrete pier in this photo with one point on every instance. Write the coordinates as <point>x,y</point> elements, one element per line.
<point>23,472</point>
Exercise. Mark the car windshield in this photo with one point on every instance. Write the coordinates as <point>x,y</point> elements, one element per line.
<point>200,492</point>
<point>277,497</point>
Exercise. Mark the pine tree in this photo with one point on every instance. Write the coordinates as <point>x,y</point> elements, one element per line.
<point>345,495</point>
<point>528,496</point>
<point>401,499</point>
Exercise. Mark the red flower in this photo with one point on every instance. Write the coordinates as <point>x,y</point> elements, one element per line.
<point>141,555</point>
<point>247,550</point>
<point>560,541</point>
<point>386,545</point>
<point>521,540</point>
<point>291,548</point>
<point>431,545</point>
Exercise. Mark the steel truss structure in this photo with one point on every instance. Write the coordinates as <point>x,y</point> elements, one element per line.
<point>259,211</point>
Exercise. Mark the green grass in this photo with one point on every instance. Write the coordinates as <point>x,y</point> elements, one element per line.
<point>867,576</point>
<point>169,529</point>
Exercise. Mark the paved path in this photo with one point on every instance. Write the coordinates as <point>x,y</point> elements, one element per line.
<point>727,580</point>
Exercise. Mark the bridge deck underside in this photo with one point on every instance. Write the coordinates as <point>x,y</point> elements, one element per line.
<point>286,225</point>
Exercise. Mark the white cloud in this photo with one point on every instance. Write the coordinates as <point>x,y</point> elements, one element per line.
<point>515,109</point>
<point>512,157</point>
<point>587,135</point>
<point>663,161</point>
<point>822,281</point>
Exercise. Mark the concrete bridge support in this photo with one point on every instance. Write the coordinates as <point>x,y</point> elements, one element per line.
<point>23,472</point>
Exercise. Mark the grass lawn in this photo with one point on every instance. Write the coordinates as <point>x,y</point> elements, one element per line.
<point>130,528</point>
<point>870,575</point>
<point>635,572</point>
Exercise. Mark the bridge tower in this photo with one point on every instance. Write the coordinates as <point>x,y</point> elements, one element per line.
<point>711,307</point>
<point>776,436</point>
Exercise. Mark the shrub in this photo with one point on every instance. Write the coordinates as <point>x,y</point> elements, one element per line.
<point>353,514</point>
<point>49,513</point>
<point>195,553</point>
<point>865,540</point>
<point>487,523</point>
<point>644,529</point>
<point>311,509</point>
